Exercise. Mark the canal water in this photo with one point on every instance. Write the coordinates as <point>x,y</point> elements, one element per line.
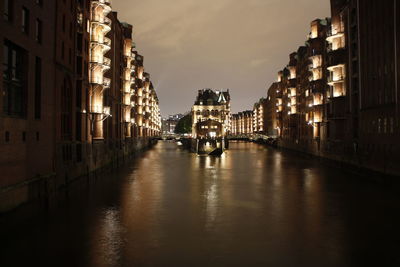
<point>254,206</point>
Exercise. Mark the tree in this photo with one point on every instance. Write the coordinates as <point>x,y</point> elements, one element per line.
<point>184,125</point>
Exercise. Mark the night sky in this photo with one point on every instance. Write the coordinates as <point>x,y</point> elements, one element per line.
<point>237,44</point>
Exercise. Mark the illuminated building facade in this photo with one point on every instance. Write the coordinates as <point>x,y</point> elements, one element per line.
<point>301,92</point>
<point>272,111</point>
<point>100,44</point>
<point>259,117</point>
<point>242,123</point>
<point>212,106</point>
<point>89,103</point>
<point>317,90</point>
<point>235,130</point>
<point>338,96</point>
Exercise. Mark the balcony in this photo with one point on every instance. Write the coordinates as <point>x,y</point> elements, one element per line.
<point>102,2</point>
<point>106,63</point>
<point>96,61</point>
<point>96,80</point>
<point>107,25</point>
<point>107,43</point>
<point>332,34</point>
<point>106,4</point>
<point>332,80</point>
<point>104,22</point>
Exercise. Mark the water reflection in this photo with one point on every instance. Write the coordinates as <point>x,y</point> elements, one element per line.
<point>253,206</point>
<point>107,239</point>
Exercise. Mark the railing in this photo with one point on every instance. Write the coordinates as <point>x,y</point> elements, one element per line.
<point>97,59</point>
<point>97,80</point>
<point>103,20</point>
<point>107,62</point>
<point>104,2</point>
<point>98,18</point>
<point>334,32</point>
<point>107,21</point>
<point>335,79</point>
<point>107,41</point>
<point>97,39</point>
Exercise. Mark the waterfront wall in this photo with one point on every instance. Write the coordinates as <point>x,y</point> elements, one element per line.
<point>383,160</point>
<point>98,158</point>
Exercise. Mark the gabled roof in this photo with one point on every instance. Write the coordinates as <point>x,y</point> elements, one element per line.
<point>210,97</point>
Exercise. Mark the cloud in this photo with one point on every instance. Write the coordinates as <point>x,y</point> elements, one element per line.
<point>236,44</point>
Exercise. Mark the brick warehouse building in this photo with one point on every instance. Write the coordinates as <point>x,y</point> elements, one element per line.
<point>69,101</point>
<point>27,102</point>
<point>242,123</point>
<point>339,95</point>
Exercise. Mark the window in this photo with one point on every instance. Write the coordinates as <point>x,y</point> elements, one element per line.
<point>379,126</point>
<point>66,111</point>
<point>38,88</point>
<point>79,42</point>
<point>14,80</point>
<point>391,125</point>
<point>63,23</point>
<point>79,66</point>
<point>25,20</point>
<point>62,50</point>
<point>8,10</point>
<point>38,36</point>
<point>86,69</point>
